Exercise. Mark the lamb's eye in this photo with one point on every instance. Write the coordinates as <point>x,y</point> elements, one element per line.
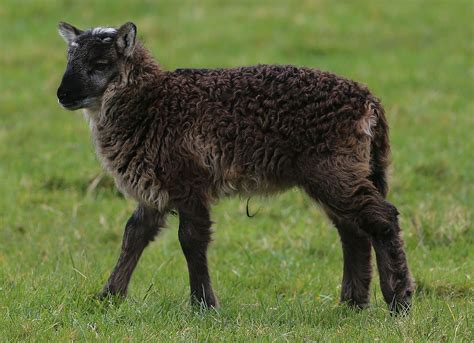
<point>101,65</point>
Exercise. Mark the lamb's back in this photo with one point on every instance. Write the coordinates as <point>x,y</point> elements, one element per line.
<point>255,121</point>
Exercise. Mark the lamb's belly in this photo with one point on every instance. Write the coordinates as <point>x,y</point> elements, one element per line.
<point>248,186</point>
<point>152,196</point>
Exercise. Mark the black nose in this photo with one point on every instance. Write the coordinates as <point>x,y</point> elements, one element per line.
<point>61,94</point>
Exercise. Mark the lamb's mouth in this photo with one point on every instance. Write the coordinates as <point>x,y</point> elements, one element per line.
<point>71,106</point>
<point>77,104</point>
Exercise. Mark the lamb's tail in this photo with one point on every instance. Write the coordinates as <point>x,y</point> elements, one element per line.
<point>380,145</point>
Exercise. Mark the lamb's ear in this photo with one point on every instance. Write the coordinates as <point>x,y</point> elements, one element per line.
<point>126,38</point>
<point>68,32</point>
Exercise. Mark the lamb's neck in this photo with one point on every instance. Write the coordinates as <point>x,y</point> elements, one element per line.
<point>118,141</point>
<point>118,103</point>
<point>141,67</point>
<point>121,120</point>
<point>140,74</point>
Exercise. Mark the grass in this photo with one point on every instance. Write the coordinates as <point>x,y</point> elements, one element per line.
<point>278,274</point>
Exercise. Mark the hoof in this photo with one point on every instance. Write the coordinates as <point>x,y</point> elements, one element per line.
<point>401,306</point>
<point>357,300</point>
<point>355,304</point>
<point>109,293</point>
<point>205,303</point>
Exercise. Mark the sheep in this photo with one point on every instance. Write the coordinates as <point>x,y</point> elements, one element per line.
<point>180,140</point>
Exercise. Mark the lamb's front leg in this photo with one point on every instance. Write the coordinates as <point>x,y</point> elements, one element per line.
<point>194,236</point>
<point>140,229</point>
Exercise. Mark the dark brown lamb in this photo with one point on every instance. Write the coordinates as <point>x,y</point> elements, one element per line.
<point>180,140</point>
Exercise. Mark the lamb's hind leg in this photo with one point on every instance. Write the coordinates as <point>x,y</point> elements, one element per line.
<point>140,229</point>
<point>380,220</point>
<point>358,202</point>
<point>195,236</point>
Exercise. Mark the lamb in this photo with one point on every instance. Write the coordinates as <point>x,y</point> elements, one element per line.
<point>180,140</point>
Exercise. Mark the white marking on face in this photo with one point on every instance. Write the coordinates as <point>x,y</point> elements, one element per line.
<point>74,44</point>
<point>99,30</point>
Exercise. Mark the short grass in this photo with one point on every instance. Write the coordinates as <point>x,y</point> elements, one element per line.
<point>278,274</point>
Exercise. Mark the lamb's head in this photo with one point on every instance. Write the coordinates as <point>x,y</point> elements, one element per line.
<point>95,58</point>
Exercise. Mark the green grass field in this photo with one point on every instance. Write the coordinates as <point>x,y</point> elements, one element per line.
<point>277,275</point>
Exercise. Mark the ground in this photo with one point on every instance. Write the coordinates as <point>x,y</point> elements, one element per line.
<point>277,274</point>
